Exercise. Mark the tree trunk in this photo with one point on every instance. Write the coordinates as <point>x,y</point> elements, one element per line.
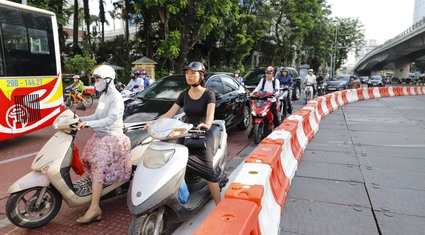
<point>102,19</point>
<point>147,30</point>
<point>126,18</point>
<point>75,29</point>
<point>87,19</point>
<point>190,36</point>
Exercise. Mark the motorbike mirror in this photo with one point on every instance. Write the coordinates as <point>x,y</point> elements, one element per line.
<point>80,106</point>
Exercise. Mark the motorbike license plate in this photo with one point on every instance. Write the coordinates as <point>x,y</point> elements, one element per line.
<point>331,88</point>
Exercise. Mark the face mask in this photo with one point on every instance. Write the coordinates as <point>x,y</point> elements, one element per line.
<point>100,86</point>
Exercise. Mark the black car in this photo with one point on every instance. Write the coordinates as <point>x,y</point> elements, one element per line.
<point>342,82</point>
<point>232,103</point>
<point>253,77</point>
<point>376,80</point>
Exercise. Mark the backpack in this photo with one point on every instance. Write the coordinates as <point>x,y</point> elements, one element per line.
<point>264,83</point>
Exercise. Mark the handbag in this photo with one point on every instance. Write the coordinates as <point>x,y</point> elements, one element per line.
<point>195,143</point>
<point>76,165</point>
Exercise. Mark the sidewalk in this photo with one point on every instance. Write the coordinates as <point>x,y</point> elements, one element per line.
<point>363,172</point>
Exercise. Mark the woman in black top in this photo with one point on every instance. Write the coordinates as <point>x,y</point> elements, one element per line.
<point>199,105</point>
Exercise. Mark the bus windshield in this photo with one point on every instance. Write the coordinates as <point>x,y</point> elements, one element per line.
<point>30,70</point>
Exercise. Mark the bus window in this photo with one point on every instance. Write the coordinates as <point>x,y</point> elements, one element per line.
<point>15,37</point>
<point>39,41</point>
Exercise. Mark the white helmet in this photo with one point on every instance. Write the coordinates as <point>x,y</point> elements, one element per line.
<point>104,71</point>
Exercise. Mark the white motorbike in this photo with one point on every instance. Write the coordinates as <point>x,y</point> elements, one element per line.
<point>308,92</point>
<point>162,195</point>
<point>36,198</point>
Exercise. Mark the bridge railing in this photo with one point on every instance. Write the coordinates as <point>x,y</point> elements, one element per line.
<point>386,43</point>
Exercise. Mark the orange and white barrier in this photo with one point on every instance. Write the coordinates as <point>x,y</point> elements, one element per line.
<point>232,216</point>
<point>287,159</point>
<point>254,202</point>
<point>302,137</point>
<point>259,174</point>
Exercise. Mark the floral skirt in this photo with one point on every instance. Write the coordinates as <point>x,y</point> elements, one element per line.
<point>108,159</point>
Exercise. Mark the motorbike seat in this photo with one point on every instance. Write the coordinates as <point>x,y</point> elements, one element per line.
<point>137,136</point>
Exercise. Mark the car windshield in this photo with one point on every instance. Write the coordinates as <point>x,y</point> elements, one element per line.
<point>340,78</point>
<point>253,77</point>
<point>375,78</point>
<point>166,88</point>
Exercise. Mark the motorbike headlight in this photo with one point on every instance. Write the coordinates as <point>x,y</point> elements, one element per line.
<point>176,133</point>
<point>253,113</point>
<point>263,113</point>
<point>156,158</point>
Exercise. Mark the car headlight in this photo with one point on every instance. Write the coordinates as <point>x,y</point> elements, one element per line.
<point>156,158</point>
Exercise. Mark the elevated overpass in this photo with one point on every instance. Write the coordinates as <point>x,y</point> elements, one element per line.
<point>401,50</point>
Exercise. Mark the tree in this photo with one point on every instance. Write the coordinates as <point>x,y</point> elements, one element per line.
<point>79,64</point>
<point>350,37</point>
<point>75,48</point>
<point>102,19</point>
<point>114,15</point>
<point>87,20</point>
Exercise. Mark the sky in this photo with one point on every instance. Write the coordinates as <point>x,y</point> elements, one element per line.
<point>382,19</point>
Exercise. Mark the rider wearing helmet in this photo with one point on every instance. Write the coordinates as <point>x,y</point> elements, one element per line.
<point>285,79</point>
<point>237,76</point>
<point>145,78</point>
<point>199,105</point>
<point>136,83</point>
<point>107,153</point>
<point>79,85</point>
<point>311,78</point>
<point>270,84</point>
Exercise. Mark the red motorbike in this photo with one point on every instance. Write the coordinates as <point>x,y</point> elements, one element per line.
<point>261,103</point>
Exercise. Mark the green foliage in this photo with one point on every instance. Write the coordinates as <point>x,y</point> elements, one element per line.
<point>80,65</point>
<point>170,48</point>
<point>224,34</point>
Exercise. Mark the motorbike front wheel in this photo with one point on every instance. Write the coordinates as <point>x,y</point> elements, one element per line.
<point>283,110</point>
<point>258,132</point>
<point>89,101</point>
<point>22,211</point>
<point>153,223</point>
<point>307,96</point>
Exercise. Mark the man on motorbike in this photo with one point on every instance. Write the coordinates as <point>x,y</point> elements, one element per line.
<point>136,83</point>
<point>269,83</point>
<point>79,85</point>
<point>311,78</point>
<point>285,79</point>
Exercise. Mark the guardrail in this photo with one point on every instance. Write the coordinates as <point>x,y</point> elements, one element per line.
<point>253,204</point>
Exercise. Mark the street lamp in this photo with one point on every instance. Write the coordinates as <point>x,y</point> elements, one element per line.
<point>334,50</point>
